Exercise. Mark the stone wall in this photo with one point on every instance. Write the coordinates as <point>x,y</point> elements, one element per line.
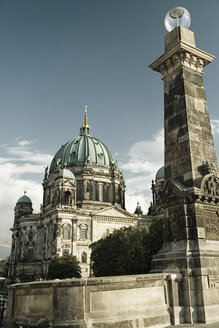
<point>110,302</point>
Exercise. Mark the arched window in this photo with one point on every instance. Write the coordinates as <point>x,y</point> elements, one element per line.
<point>67,198</point>
<point>83,231</point>
<point>66,232</point>
<point>84,257</point>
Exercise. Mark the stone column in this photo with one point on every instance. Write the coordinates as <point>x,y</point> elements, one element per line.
<point>188,137</point>
<point>191,187</point>
<point>74,230</point>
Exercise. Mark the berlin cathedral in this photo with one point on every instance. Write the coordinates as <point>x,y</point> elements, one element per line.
<point>83,201</point>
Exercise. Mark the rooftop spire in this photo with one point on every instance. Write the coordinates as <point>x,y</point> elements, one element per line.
<point>85,129</point>
<point>85,116</point>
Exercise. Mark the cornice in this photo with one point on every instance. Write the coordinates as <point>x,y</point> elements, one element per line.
<point>188,55</point>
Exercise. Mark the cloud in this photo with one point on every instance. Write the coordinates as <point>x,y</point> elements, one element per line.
<point>215,126</point>
<point>23,143</point>
<point>149,150</point>
<point>144,160</point>
<point>21,168</point>
<point>5,244</point>
<point>21,154</point>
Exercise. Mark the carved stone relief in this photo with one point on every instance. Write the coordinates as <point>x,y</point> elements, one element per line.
<point>181,59</point>
<point>210,185</point>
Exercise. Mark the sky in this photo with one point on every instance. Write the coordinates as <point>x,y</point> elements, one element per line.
<point>56,56</point>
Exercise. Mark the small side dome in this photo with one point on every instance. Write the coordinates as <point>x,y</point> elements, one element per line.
<point>24,199</point>
<point>160,173</point>
<point>65,174</point>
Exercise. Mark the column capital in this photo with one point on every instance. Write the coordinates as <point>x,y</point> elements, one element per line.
<point>181,54</point>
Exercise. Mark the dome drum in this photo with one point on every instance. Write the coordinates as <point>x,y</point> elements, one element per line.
<point>23,207</point>
<point>99,188</point>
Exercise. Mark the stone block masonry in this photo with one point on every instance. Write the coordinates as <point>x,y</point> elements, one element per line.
<point>191,186</point>
<point>111,302</point>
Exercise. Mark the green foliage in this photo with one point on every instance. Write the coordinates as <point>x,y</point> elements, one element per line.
<point>64,267</point>
<point>128,250</point>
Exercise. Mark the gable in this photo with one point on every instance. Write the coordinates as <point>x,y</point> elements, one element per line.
<point>173,187</point>
<point>114,212</point>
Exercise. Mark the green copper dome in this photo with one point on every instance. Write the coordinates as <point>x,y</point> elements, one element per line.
<point>160,173</point>
<point>84,150</point>
<point>65,174</point>
<point>24,200</point>
<point>81,151</point>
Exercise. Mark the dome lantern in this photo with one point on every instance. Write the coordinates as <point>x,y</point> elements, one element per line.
<point>85,167</point>
<point>85,129</point>
<point>84,150</point>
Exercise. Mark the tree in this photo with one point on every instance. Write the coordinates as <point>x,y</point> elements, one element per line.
<point>66,266</point>
<point>128,250</point>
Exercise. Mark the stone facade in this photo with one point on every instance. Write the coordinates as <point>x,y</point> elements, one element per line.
<point>83,200</point>
<point>190,196</point>
<point>111,302</point>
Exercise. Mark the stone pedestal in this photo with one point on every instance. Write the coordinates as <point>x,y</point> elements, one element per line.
<point>191,188</point>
